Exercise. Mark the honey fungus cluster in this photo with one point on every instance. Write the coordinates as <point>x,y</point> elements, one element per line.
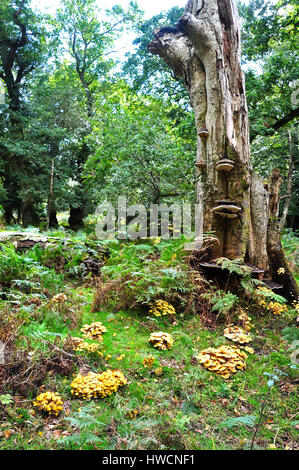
<point>94,331</point>
<point>224,360</point>
<point>95,385</point>
<point>237,334</point>
<point>161,340</point>
<point>162,308</point>
<point>49,402</point>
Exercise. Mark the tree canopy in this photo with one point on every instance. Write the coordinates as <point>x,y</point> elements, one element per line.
<point>72,105</point>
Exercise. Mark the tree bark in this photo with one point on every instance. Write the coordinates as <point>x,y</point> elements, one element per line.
<point>289,183</point>
<point>278,264</point>
<point>76,218</point>
<point>204,49</point>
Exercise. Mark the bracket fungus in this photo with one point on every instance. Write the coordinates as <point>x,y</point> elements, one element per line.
<point>203,133</point>
<point>225,165</point>
<point>228,209</point>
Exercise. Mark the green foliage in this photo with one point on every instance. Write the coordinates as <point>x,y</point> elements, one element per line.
<point>12,265</point>
<point>270,295</point>
<point>147,72</point>
<point>223,302</point>
<point>142,273</point>
<point>87,428</point>
<point>290,334</point>
<point>6,399</point>
<point>270,44</point>
<point>155,164</point>
<point>290,243</point>
<point>247,420</point>
<point>24,273</point>
<point>235,266</point>
<point>242,271</point>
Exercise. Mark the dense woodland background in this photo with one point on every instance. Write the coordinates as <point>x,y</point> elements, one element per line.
<point>103,127</point>
<point>206,354</point>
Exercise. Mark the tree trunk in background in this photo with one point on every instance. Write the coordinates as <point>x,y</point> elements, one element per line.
<point>289,183</point>
<point>76,217</point>
<point>53,219</point>
<point>204,49</point>
<point>29,214</point>
<point>50,195</point>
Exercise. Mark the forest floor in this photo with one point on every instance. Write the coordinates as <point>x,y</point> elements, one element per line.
<point>175,403</point>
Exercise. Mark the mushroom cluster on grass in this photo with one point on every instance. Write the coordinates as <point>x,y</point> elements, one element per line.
<point>95,385</point>
<point>237,334</point>
<point>148,361</point>
<point>224,360</point>
<point>162,308</point>
<point>49,402</point>
<point>161,340</point>
<point>59,298</point>
<point>80,345</point>
<point>132,414</point>
<point>245,321</point>
<point>273,307</point>
<point>94,331</point>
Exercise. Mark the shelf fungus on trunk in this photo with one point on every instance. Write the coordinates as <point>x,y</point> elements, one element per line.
<point>200,165</point>
<point>203,133</point>
<point>225,165</point>
<point>227,209</point>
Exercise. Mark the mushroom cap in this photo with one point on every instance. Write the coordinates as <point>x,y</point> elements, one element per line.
<point>225,165</point>
<point>203,133</point>
<point>227,208</point>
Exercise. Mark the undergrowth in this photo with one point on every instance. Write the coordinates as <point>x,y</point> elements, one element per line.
<point>170,400</point>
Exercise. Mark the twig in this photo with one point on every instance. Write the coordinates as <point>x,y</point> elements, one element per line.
<point>260,420</point>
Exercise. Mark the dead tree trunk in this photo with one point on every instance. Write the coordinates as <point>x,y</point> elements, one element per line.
<point>204,49</point>
<point>288,195</point>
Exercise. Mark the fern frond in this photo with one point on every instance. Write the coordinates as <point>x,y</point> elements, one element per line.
<point>247,420</point>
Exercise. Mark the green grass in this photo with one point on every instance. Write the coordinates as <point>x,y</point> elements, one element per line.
<point>186,407</point>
